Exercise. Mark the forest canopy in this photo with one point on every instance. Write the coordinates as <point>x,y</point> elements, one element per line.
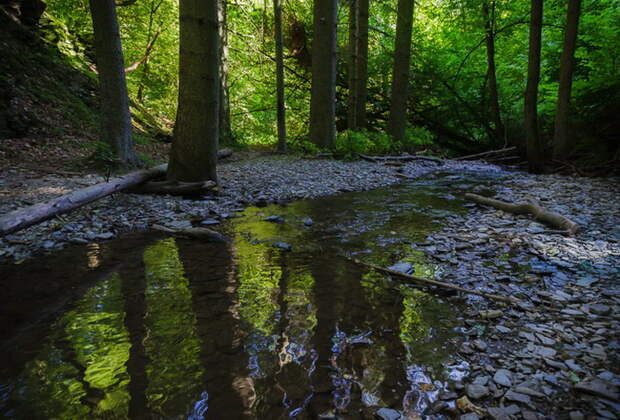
<point>450,98</point>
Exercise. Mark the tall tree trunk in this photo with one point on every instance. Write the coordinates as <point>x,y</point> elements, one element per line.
<point>489,26</point>
<point>277,13</point>
<point>400,75</point>
<point>193,156</point>
<point>323,95</point>
<point>362,63</point>
<point>115,116</point>
<point>562,142</point>
<point>535,151</point>
<point>226,135</point>
<point>353,85</point>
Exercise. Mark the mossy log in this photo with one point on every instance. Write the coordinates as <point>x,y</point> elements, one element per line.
<point>556,220</point>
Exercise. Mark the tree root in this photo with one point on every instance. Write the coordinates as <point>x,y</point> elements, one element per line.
<point>567,226</point>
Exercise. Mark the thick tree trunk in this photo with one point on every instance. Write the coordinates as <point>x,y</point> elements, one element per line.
<point>225,127</point>
<point>489,26</point>
<point>361,91</point>
<point>400,74</point>
<point>277,12</point>
<point>535,151</point>
<point>193,156</point>
<point>323,96</point>
<point>28,216</point>
<point>562,142</point>
<point>115,116</point>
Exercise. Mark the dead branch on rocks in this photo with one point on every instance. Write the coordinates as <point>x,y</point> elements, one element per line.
<point>173,188</point>
<point>486,154</point>
<point>404,158</point>
<point>507,299</point>
<point>539,213</point>
<point>201,233</point>
<point>31,215</point>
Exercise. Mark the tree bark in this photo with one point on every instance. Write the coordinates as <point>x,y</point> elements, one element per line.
<point>28,216</point>
<point>226,135</point>
<point>400,75</point>
<point>281,111</point>
<point>562,142</point>
<point>361,90</point>
<point>535,151</point>
<point>353,45</point>
<point>193,156</point>
<point>115,116</point>
<point>489,26</point>
<point>323,95</point>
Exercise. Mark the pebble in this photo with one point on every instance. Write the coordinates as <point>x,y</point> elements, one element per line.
<point>475,391</point>
<point>503,377</point>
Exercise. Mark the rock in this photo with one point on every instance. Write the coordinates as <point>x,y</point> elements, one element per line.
<point>469,416</point>
<point>503,377</point>
<point>490,314</point>
<point>49,244</point>
<point>498,413</point>
<point>599,309</point>
<point>502,329</point>
<point>283,246</point>
<point>528,391</point>
<point>308,221</point>
<point>596,386</point>
<point>388,414</point>
<point>480,345</point>
<point>402,267</point>
<point>529,415</point>
<point>475,391</point>
<point>576,415</point>
<point>209,222</point>
<point>107,235</point>
<point>517,397</point>
<point>274,219</point>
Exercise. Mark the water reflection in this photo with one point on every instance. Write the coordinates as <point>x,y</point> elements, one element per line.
<point>184,329</point>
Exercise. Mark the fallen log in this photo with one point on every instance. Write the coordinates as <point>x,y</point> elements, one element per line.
<point>488,153</point>
<point>31,215</point>
<point>564,224</point>
<point>404,158</point>
<point>201,233</point>
<point>507,299</point>
<point>172,188</point>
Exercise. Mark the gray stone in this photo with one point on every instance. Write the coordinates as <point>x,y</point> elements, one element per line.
<point>283,246</point>
<point>308,221</point>
<point>502,329</point>
<point>480,345</point>
<point>517,397</point>
<point>469,416</point>
<point>402,267</point>
<point>274,219</point>
<point>498,413</point>
<point>576,415</point>
<point>598,387</point>
<point>503,377</point>
<point>388,414</point>
<point>599,309</point>
<point>475,391</point>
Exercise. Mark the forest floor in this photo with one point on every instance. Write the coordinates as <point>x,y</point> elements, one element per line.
<point>554,355</point>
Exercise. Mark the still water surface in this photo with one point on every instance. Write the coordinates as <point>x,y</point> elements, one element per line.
<point>149,326</point>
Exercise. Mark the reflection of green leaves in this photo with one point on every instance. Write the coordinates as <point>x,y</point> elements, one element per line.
<point>174,372</point>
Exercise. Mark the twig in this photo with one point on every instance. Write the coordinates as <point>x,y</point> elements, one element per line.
<point>507,299</point>
<point>491,152</point>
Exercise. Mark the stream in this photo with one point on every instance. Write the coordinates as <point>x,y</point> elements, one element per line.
<point>277,324</point>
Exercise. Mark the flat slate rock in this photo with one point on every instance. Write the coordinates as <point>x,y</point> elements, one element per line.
<point>599,388</point>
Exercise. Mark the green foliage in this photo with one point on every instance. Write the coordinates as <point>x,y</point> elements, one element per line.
<point>304,147</point>
<point>351,143</point>
<point>101,153</point>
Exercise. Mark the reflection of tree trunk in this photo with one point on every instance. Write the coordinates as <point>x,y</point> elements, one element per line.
<point>326,291</point>
<point>133,289</point>
<point>213,285</point>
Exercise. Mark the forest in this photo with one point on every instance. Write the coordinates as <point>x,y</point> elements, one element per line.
<point>310,209</point>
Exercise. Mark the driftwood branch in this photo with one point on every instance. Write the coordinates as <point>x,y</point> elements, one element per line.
<point>31,215</point>
<point>486,154</point>
<point>405,158</point>
<point>194,233</point>
<point>539,213</point>
<point>507,299</point>
<point>173,188</point>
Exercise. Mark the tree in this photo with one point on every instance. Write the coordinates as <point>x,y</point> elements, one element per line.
<point>323,92</point>
<point>224,107</point>
<point>193,156</point>
<point>400,73</point>
<point>489,27</point>
<point>115,116</point>
<point>535,152</point>
<point>562,142</point>
<point>277,9</point>
<point>358,63</point>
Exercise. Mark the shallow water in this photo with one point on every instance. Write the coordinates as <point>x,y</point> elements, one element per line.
<point>154,327</point>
